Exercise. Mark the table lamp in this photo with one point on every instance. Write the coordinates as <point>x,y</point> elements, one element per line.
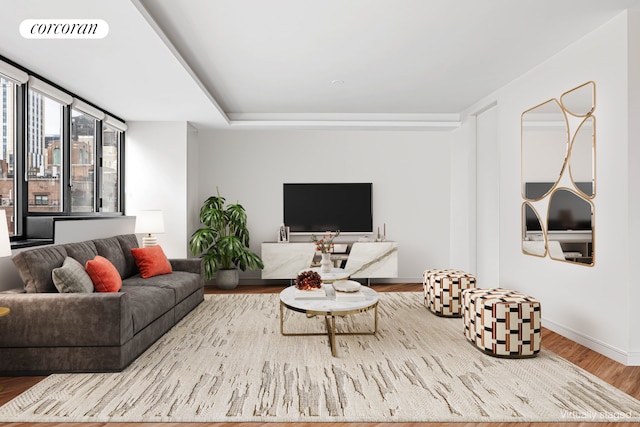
<point>149,222</point>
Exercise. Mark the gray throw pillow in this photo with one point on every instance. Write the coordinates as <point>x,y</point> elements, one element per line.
<point>71,277</point>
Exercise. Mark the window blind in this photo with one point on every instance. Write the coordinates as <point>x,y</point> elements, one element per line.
<point>12,73</point>
<point>115,123</point>
<point>50,91</point>
<point>85,108</point>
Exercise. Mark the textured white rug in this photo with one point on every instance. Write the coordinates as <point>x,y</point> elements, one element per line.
<point>227,362</point>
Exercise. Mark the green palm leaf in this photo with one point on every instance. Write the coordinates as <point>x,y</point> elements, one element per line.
<point>223,241</point>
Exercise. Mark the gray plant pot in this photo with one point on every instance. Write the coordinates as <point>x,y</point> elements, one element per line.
<point>227,279</point>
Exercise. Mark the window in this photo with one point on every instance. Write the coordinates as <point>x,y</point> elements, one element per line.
<point>59,155</point>
<point>41,199</point>
<point>44,151</point>
<point>7,149</point>
<point>83,142</point>
<point>110,171</point>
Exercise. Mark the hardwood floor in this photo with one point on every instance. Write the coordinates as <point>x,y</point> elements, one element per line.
<point>626,378</point>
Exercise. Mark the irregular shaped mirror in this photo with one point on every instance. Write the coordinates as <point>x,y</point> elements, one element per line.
<point>570,227</point>
<point>582,157</point>
<point>533,241</point>
<point>580,101</point>
<point>544,148</point>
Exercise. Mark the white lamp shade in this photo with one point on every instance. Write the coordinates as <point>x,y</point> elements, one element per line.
<point>149,222</point>
<point>5,244</point>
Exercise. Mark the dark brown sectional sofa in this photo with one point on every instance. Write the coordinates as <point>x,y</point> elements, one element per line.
<point>48,332</point>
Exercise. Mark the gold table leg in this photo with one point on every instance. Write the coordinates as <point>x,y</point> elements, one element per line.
<point>331,328</point>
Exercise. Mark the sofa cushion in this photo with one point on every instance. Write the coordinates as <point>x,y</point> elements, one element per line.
<point>71,277</point>
<point>147,303</point>
<point>181,283</point>
<point>35,266</point>
<point>128,242</point>
<point>81,251</point>
<point>110,249</point>
<point>151,261</point>
<point>104,275</point>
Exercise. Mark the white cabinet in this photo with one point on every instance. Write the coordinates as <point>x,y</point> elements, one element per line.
<point>285,260</point>
<point>365,260</point>
<point>370,260</point>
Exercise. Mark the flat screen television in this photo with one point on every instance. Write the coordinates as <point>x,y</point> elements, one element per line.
<point>319,207</point>
<point>569,212</point>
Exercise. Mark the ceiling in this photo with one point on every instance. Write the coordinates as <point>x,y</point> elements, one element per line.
<point>256,63</point>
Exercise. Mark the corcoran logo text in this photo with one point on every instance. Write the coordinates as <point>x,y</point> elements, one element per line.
<point>64,28</point>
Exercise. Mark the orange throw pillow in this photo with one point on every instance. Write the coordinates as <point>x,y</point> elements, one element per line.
<point>151,261</point>
<point>104,275</point>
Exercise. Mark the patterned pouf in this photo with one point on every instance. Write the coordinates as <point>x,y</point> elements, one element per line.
<point>502,322</point>
<point>443,289</point>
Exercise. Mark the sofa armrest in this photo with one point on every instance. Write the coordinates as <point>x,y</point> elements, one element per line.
<point>191,265</point>
<point>53,320</point>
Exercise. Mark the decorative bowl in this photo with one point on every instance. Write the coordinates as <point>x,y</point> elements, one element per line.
<point>346,286</point>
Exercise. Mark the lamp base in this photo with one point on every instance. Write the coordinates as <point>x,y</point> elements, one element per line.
<point>149,240</point>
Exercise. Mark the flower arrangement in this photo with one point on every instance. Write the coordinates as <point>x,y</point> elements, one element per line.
<point>324,244</point>
<point>308,280</point>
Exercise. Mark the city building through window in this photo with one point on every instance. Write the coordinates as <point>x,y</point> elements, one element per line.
<point>59,155</point>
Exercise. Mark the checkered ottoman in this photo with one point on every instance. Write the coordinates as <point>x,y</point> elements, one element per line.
<point>502,322</point>
<point>443,288</point>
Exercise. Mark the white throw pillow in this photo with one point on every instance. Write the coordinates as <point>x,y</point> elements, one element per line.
<point>71,277</point>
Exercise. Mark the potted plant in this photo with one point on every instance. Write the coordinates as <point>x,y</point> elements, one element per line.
<point>223,242</point>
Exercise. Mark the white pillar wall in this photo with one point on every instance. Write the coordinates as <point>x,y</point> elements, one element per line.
<point>157,160</point>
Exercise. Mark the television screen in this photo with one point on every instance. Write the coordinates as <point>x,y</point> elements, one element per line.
<point>316,208</point>
<point>569,212</point>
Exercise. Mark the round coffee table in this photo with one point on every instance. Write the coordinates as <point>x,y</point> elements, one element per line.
<point>330,308</point>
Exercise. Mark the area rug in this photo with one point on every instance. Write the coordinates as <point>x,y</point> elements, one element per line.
<point>227,362</point>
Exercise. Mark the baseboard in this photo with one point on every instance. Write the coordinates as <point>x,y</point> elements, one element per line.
<point>620,356</point>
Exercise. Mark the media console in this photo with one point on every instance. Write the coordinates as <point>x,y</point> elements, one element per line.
<point>363,260</point>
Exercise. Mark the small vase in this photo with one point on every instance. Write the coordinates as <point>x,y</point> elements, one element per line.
<point>325,263</point>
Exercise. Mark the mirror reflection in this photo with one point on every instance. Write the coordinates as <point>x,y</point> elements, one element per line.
<point>545,143</point>
<point>581,101</point>
<point>582,158</point>
<point>533,241</point>
<point>570,227</point>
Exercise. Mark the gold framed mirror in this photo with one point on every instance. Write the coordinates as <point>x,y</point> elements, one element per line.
<point>556,137</point>
<point>545,147</point>
<point>582,160</point>
<point>533,237</point>
<point>580,101</point>
<point>570,227</point>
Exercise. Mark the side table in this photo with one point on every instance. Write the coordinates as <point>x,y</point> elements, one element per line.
<point>3,312</point>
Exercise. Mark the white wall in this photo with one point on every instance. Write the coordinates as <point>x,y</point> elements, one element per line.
<point>633,160</point>
<point>157,176</point>
<point>409,171</point>
<point>193,182</point>
<point>487,198</point>
<point>462,249</point>
<point>587,304</point>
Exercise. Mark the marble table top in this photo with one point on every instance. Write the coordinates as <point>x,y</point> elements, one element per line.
<point>329,303</point>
